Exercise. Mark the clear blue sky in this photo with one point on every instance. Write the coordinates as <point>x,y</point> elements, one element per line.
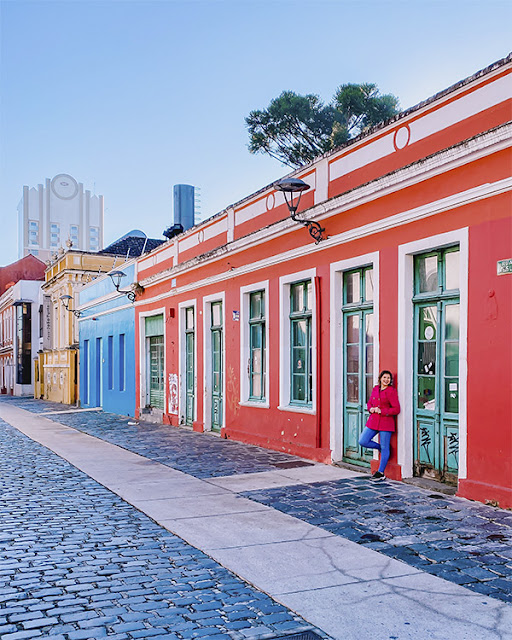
<point>131,97</point>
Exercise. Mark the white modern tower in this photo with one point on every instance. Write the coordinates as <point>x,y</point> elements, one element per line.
<point>56,214</point>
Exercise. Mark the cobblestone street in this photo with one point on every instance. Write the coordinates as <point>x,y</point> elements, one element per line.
<point>77,562</point>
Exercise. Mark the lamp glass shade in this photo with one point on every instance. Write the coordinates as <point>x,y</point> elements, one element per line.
<point>291,185</point>
<point>116,277</point>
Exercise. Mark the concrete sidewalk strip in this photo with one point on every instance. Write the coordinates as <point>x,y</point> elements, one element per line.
<point>256,528</point>
<point>308,564</point>
<point>198,506</point>
<point>282,478</point>
<point>416,607</point>
<point>345,589</point>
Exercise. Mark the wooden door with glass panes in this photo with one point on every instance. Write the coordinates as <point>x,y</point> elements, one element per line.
<point>358,342</point>
<point>436,364</point>
<point>156,371</point>
<point>190,374</point>
<point>216,365</point>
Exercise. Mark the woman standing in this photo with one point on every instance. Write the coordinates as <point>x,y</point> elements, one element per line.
<point>383,406</point>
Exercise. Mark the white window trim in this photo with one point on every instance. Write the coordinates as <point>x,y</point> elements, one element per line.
<point>405,421</point>
<point>245,294</point>
<point>285,283</point>
<point>207,360</point>
<point>336,330</point>
<point>182,360</point>
<point>142,356</point>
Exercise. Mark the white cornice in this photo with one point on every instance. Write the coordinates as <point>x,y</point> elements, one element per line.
<point>106,312</point>
<point>113,295</point>
<point>439,206</point>
<point>441,162</point>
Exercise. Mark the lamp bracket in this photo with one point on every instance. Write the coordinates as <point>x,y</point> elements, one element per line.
<point>314,228</point>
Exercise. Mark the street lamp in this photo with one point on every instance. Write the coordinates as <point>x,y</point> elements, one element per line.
<point>116,276</point>
<point>294,185</point>
<point>65,301</point>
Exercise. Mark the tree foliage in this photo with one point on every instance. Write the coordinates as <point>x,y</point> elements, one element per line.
<point>296,129</point>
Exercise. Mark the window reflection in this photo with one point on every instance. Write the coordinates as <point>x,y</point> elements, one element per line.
<point>353,328</point>
<point>352,287</point>
<point>427,273</point>
<point>368,285</point>
<point>451,260</point>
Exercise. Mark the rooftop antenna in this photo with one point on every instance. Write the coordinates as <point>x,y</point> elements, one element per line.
<point>127,254</point>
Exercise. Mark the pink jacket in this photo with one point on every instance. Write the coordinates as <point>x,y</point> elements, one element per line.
<point>387,401</point>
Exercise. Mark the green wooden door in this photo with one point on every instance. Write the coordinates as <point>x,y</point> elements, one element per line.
<point>358,382</point>
<point>189,377</point>
<point>216,365</point>
<point>436,367</point>
<point>156,371</point>
<point>190,370</point>
<point>358,339</point>
<point>155,389</point>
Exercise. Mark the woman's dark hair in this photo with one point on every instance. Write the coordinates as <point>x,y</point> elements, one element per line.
<point>383,373</point>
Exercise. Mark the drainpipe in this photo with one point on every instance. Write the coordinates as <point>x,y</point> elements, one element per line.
<point>318,364</point>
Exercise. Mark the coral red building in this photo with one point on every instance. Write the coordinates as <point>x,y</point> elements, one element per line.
<point>249,328</point>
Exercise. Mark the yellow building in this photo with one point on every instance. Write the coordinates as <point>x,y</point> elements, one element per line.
<point>56,371</point>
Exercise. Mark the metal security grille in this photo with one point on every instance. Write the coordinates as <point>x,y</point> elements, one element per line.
<point>156,372</point>
<point>189,365</point>
<point>217,365</point>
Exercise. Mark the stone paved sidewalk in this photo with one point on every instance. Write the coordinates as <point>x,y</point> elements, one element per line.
<point>198,454</point>
<point>464,542</point>
<point>77,562</point>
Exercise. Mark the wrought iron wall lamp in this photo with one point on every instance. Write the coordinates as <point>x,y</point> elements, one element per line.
<point>289,186</point>
<point>116,276</point>
<point>65,301</point>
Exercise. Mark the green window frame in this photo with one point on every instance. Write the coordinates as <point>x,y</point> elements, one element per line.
<point>358,288</point>
<point>301,343</point>
<point>437,273</point>
<point>257,346</point>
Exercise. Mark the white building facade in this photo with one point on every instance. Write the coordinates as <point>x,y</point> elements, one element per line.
<point>20,336</point>
<point>56,214</point>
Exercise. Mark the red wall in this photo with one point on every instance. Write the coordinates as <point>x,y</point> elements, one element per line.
<point>27,268</point>
<point>490,360</point>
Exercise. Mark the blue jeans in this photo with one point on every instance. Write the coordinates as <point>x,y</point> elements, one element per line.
<point>366,440</point>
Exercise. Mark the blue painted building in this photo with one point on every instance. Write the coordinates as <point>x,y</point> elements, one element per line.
<point>107,345</point>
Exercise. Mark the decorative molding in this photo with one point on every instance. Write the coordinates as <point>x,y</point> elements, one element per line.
<point>439,206</point>
<point>463,153</point>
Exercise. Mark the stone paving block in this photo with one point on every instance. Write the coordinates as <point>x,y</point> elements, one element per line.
<point>39,622</point>
<point>128,626</point>
<point>27,615</point>
<point>146,633</point>
<point>98,621</point>
<point>22,635</point>
<point>99,632</point>
<point>7,628</point>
